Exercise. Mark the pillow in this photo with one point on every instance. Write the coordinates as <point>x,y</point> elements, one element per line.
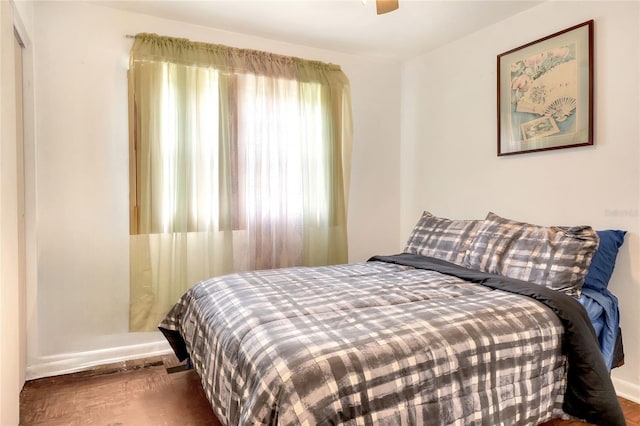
<point>442,238</point>
<point>604,260</point>
<point>556,257</point>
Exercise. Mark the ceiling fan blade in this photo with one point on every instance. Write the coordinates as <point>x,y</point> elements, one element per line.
<point>384,6</point>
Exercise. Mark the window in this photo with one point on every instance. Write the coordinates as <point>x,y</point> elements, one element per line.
<point>239,160</point>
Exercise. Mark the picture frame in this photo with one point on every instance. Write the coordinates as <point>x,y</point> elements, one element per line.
<point>545,93</point>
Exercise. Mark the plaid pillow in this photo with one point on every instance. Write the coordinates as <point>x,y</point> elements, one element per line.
<point>441,238</point>
<point>556,257</point>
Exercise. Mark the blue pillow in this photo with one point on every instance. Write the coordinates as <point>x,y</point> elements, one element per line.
<point>604,260</point>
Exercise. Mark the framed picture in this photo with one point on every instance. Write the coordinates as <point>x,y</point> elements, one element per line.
<point>545,93</point>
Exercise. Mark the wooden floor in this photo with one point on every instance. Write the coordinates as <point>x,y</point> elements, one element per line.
<point>140,393</point>
<point>136,393</point>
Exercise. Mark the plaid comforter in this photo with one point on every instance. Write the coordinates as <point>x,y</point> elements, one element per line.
<point>370,343</point>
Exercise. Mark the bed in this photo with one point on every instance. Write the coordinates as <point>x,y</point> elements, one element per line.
<point>476,322</point>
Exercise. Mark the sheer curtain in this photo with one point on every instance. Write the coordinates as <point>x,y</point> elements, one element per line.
<point>239,160</point>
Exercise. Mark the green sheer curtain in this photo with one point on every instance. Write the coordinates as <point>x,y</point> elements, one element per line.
<point>239,160</point>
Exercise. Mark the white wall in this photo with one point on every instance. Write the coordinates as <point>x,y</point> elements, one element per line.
<point>81,159</point>
<point>449,162</point>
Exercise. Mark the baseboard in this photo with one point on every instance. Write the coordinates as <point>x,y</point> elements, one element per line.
<point>626,390</point>
<point>66,363</point>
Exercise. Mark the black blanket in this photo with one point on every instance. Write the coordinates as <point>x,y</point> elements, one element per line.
<point>590,394</point>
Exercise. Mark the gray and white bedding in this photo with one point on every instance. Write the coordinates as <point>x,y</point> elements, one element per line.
<point>475,323</point>
<point>372,343</point>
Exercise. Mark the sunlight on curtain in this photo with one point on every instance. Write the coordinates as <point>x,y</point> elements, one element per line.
<point>239,161</point>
